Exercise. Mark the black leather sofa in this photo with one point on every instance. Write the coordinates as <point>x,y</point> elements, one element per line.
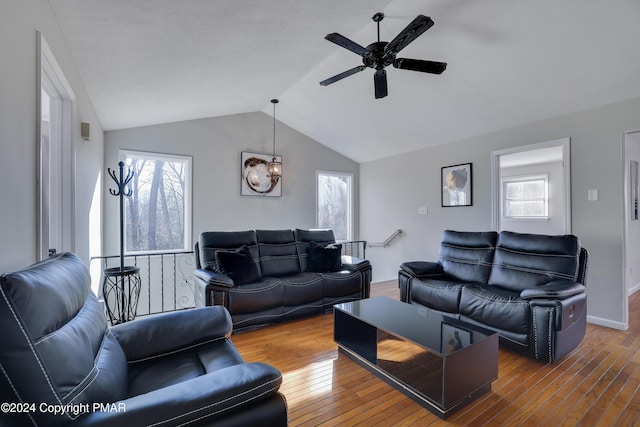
<point>291,275</point>
<point>528,288</point>
<point>62,366</point>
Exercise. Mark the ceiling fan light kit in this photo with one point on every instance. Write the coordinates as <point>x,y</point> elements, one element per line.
<point>378,55</point>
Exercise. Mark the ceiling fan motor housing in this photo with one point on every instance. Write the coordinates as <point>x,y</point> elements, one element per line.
<point>377,59</point>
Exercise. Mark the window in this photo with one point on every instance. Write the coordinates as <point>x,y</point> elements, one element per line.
<point>525,197</point>
<point>334,203</point>
<point>158,212</point>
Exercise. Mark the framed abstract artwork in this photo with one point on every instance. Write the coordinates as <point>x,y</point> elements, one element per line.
<point>456,185</point>
<point>256,179</point>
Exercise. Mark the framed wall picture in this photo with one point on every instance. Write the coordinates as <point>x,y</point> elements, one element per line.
<point>256,179</point>
<point>456,185</point>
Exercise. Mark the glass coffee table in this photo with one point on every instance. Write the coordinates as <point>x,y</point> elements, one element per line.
<point>440,362</point>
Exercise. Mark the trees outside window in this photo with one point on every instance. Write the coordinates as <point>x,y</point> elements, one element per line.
<point>334,203</point>
<point>158,212</point>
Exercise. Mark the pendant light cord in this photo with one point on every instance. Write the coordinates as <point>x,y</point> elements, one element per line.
<point>274,102</point>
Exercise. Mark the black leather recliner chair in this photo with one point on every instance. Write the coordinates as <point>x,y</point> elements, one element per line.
<point>528,288</point>
<point>60,364</point>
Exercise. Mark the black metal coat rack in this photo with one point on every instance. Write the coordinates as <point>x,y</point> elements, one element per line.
<point>121,286</point>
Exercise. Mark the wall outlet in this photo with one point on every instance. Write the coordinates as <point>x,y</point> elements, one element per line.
<point>592,195</point>
<point>422,210</point>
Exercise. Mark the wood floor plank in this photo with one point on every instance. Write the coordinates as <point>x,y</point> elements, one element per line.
<point>596,384</point>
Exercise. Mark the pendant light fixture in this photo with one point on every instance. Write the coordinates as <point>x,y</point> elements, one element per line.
<point>274,167</point>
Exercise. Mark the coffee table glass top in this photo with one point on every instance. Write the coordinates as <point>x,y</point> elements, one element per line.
<point>435,332</point>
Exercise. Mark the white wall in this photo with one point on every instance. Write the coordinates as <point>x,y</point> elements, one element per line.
<point>392,190</point>
<point>216,145</point>
<point>19,21</point>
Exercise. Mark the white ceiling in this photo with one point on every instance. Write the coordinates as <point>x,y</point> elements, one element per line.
<point>509,63</point>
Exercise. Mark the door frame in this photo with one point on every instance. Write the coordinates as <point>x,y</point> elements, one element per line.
<point>628,286</point>
<point>47,68</point>
<point>565,144</point>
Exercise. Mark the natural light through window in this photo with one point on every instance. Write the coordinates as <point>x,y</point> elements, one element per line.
<point>334,203</point>
<point>525,197</point>
<point>158,212</point>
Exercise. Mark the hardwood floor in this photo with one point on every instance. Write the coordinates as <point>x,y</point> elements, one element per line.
<point>598,384</point>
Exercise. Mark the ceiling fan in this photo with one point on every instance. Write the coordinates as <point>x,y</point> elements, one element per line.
<point>378,55</point>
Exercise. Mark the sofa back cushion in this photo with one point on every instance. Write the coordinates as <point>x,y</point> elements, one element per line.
<point>304,239</point>
<point>212,241</point>
<point>529,260</point>
<point>467,255</point>
<point>56,348</point>
<point>278,253</point>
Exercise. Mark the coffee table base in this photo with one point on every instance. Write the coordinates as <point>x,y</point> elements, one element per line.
<point>440,362</point>
<point>408,391</point>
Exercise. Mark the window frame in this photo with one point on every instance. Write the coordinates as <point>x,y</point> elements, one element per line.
<point>520,179</point>
<point>350,198</point>
<point>188,200</point>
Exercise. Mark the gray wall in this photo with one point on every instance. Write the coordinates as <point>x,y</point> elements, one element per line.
<point>392,190</point>
<point>216,145</point>
<point>19,21</point>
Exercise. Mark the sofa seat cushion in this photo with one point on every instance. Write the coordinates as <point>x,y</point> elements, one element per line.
<point>302,288</point>
<point>255,297</point>
<point>496,307</point>
<point>342,283</point>
<point>442,295</point>
<point>174,368</point>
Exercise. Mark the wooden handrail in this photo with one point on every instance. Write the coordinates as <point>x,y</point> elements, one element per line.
<point>387,242</point>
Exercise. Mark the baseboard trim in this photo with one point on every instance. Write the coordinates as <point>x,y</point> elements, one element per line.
<point>608,323</point>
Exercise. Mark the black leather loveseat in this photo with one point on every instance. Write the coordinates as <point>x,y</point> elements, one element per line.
<point>529,288</point>
<point>263,276</point>
<point>61,365</point>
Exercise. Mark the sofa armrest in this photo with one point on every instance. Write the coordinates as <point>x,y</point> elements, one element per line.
<point>352,263</point>
<point>207,397</point>
<point>213,278</point>
<point>162,333</point>
<point>422,268</point>
<point>556,289</point>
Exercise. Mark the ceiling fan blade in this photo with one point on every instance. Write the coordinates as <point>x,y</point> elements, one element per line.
<point>380,83</point>
<point>420,65</point>
<point>348,44</point>
<point>342,75</point>
<point>410,33</point>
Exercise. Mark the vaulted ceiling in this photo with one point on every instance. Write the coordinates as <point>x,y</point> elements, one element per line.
<point>510,63</point>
